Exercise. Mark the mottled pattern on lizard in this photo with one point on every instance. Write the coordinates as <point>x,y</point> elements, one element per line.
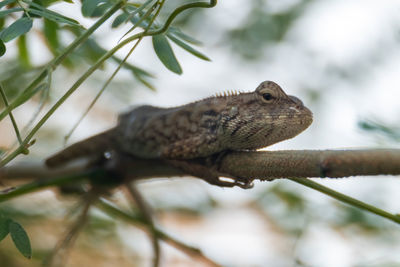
<point>242,121</point>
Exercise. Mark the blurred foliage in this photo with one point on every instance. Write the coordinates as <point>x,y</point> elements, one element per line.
<point>279,204</point>
<point>348,216</point>
<point>390,132</point>
<point>262,28</point>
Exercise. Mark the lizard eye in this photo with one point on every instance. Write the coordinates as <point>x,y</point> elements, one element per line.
<point>267,95</point>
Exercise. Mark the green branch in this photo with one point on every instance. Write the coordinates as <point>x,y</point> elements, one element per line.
<point>40,184</point>
<point>14,123</point>
<point>346,199</point>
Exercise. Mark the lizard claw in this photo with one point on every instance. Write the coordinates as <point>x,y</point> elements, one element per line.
<point>242,183</point>
<point>245,185</point>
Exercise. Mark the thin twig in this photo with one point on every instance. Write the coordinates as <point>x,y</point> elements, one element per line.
<point>346,199</point>
<point>59,255</point>
<point>145,209</point>
<point>14,123</point>
<point>194,252</point>
<point>115,72</point>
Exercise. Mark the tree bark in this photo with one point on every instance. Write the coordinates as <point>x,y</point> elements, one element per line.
<point>262,165</point>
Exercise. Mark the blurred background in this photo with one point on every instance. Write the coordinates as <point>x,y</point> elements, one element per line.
<point>340,57</point>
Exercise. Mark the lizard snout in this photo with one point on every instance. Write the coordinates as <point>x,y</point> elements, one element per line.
<point>297,101</point>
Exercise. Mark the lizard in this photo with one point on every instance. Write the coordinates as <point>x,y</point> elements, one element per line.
<point>218,124</point>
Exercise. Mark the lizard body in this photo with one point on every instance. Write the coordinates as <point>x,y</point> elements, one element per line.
<point>236,121</point>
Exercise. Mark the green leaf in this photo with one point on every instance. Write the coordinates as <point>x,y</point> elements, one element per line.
<point>145,82</point>
<point>89,7</point>
<point>2,48</point>
<point>4,228</point>
<point>101,9</point>
<point>19,27</point>
<point>119,20</point>
<point>55,18</point>
<point>29,94</point>
<point>139,9</point>
<point>165,53</point>
<point>188,48</point>
<point>50,30</point>
<point>11,10</point>
<point>135,70</point>
<point>20,239</point>
<point>51,15</point>
<point>178,33</point>
<point>6,2</point>
<point>23,52</point>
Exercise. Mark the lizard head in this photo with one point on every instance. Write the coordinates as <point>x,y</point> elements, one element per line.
<point>264,117</point>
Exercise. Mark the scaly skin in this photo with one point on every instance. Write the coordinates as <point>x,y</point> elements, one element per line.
<point>243,121</point>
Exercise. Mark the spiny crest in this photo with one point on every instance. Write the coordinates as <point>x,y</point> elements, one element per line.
<point>228,93</point>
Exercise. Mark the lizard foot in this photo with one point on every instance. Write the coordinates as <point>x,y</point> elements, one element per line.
<point>202,171</point>
<point>231,182</point>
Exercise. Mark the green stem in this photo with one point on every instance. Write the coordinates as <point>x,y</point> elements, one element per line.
<point>346,199</point>
<point>14,123</point>
<point>17,101</point>
<point>40,184</point>
<point>179,10</point>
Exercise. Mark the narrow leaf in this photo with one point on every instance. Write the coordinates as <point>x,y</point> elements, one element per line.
<point>4,228</point>
<point>178,33</point>
<point>119,20</point>
<point>133,68</point>
<point>20,239</point>
<point>28,95</point>
<point>49,14</point>
<point>23,52</point>
<point>166,54</point>
<point>55,18</point>
<point>90,6</point>
<point>101,9</point>
<point>139,9</point>
<point>19,27</point>
<point>11,10</point>
<point>140,20</point>
<point>6,2</point>
<point>188,48</point>
<point>50,30</point>
<point>145,83</point>
<point>2,48</point>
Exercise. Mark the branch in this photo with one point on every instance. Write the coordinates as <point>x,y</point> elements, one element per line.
<point>114,211</point>
<point>262,165</point>
<point>265,165</point>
